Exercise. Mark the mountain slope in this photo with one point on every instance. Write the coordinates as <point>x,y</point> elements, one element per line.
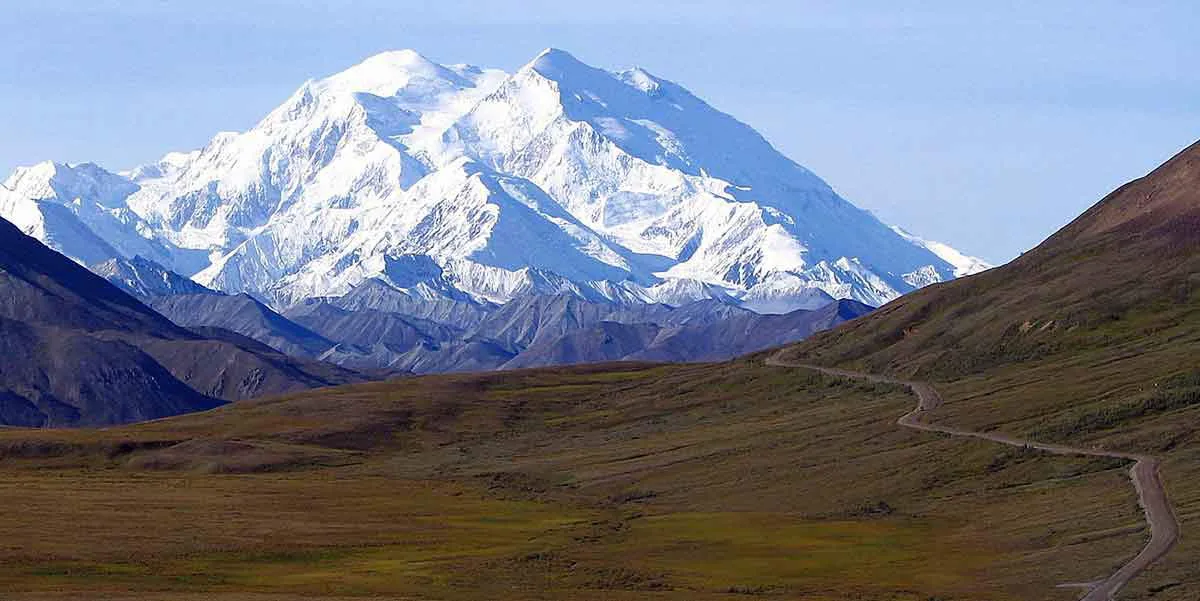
<point>81,211</point>
<point>747,332</point>
<point>680,339</point>
<point>39,286</point>
<point>557,178</point>
<point>1132,256</point>
<point>1091,340</point>
<point>61,369</point>
<point>529,331</point>
<point>82,352</point>
<point>145,279</point>
<point>645,162</point>
<point>603,342</point>
<point>963,265</point>
<point>69,378</point>
<point>244,315</point>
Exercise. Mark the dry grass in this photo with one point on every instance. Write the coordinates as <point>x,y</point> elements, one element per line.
<point>612,482</point>
<point>1090,338</point>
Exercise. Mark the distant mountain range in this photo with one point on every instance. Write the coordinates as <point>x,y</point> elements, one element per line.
<point>85,351</point>
<point>377,327</point>
<point>468,184</point>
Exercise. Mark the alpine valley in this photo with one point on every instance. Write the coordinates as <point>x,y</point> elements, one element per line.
<point>419,217</point>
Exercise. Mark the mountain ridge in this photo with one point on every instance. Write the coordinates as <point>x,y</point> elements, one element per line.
<point>611,185</point>
<point>83,352</point>
<point>1130,256</point>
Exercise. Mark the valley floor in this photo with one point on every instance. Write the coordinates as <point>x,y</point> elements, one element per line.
<point>727,481</point>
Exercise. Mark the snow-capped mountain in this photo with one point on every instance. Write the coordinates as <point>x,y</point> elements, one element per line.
<point>462,182</point>
<point>79,211</point>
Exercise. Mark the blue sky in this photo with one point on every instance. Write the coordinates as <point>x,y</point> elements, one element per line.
<point>987,127</point>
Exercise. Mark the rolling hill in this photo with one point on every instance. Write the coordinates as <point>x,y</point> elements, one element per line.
<point>1090,339</point>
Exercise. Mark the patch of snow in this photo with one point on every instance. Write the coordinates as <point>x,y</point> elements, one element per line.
<point>964,265</point>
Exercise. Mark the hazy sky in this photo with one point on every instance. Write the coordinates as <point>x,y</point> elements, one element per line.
<point>981,125</point>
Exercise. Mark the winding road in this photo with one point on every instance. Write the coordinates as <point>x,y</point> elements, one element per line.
<point>1152,495</point>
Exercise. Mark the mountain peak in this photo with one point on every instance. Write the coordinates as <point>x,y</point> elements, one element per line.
<point>21,176</point>
<point>551,53</point>
<point>553,63</point>
<point>385,73</point>
<point>398,58</point>
<point>66,182</point>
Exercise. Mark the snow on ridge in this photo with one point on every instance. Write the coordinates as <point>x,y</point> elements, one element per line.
<point>964,265</point>
<point>558,178</point>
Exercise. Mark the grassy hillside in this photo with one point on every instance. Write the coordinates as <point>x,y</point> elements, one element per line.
<point>727,481</point>
<point>1124,270</point>
<point>1092,338</point>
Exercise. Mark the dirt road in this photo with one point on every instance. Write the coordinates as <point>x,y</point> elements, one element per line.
<point>1164,527</point>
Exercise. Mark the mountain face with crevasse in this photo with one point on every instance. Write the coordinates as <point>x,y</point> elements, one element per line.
<point>467,186</point>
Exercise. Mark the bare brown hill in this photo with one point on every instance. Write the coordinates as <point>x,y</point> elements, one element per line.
<point>1128,263</point>
<point>1164,205</point>
<point>79,351</point>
